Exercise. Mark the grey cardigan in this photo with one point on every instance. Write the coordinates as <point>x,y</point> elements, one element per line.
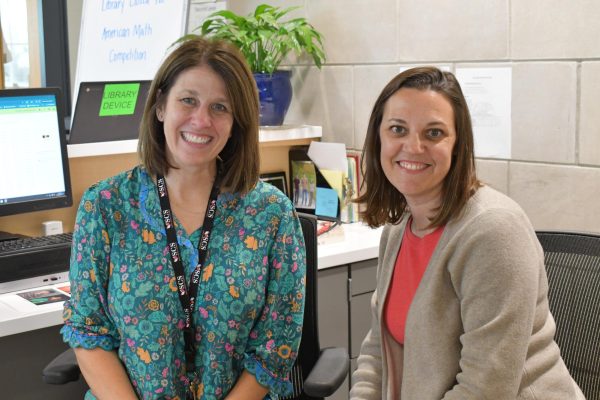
<point>479,326</point>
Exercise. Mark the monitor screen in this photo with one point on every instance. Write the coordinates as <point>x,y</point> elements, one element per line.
<point>34,166</point>
<point>108,111</point>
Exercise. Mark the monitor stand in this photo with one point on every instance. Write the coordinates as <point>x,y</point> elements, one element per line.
<point>9,236</point>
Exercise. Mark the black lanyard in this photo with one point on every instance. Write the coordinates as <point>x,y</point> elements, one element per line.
<point>187,296</point>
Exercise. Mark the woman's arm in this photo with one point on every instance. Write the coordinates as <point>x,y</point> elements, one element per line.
<point>247,388</point>
<point>498,274</point>
<point>104,374</point>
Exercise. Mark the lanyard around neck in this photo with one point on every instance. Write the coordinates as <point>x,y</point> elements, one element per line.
<point>187,296</point>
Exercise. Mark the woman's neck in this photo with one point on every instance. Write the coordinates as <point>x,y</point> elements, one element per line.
<point>189,193</point>
<point>421,214</point>
<point>190,185</point>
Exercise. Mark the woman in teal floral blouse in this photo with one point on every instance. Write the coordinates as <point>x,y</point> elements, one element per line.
<point>126,316</point>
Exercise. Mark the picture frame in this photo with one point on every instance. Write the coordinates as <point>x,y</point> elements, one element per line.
<point>276,179</point>
<point>305,183</point>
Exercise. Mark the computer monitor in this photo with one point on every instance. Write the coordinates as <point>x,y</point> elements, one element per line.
<point>108,111</point>
<point>34,165</point>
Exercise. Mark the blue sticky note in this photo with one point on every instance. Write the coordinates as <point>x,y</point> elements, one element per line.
<point>327,202</point>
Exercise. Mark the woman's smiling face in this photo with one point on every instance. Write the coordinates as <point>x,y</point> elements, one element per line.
<point>197,118</point>
<point>417,135</point>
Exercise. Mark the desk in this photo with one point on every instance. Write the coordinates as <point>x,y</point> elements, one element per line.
<point>346,244</point>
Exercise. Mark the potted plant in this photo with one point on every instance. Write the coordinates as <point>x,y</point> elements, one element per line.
<point>265,40</point>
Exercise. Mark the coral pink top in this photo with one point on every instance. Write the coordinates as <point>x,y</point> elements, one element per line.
<point>412,260</point>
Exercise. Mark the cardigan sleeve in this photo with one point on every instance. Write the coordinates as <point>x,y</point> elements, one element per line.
<point>497,271</point>
<point>367,379</point>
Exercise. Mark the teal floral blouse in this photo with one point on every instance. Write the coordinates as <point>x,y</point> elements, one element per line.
<point>250,300</point>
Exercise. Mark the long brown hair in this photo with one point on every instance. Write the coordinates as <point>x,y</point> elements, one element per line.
<point>383,203</point>
<point>240,157</point>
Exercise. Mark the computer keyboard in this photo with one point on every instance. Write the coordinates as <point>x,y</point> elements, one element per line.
<point>29,257</point>
<point>28,244</point>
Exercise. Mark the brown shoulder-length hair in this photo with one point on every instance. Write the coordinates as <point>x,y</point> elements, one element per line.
<point>382,202</point>
<point>240,156</point>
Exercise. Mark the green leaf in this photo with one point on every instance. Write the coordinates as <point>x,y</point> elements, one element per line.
<point>263,37</point>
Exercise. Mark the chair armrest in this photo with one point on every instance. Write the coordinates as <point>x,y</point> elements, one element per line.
<point>62,369</point>
<point>328,373</point>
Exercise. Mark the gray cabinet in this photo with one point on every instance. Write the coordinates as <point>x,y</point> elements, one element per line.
<point>363,280</point>
<point>344,309</point>
<point>332,292</point>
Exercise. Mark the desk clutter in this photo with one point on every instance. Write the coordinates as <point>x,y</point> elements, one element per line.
<point>324,178</point>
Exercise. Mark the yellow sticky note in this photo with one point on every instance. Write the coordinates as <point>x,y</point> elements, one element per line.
<point>335,180</point>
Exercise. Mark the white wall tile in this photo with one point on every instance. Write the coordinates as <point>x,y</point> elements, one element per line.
<point>555,29</point>
<point>589,114</point>
<point>544,111</point>
<point>368,83</point>
<point>446,30</point>
<point>324,97</point>
<point>356,31</point>
<point>557,197</point>
<point>245,7</point>
<point>493,173</point>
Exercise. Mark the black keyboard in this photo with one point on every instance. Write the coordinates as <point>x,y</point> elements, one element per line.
<point>29,244</point>
<point>34,256</point>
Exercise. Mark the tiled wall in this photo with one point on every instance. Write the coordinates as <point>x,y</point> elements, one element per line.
<point>553,48</point>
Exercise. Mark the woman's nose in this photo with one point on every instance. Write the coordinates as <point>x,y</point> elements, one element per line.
<point>201,116</point>
<point>413,143</point>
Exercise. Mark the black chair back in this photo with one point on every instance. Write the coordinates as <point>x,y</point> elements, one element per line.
<point>309,351</point>
<point>573,268</point>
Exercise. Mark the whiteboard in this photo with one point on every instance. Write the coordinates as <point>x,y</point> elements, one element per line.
<point>126,39</point>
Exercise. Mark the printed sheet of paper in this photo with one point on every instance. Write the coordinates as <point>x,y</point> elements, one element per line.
<point>488,92</point>
<point>200,10</point>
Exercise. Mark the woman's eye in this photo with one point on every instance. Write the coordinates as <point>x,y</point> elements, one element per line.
<point>435,133</point>
<point>219,107</point>
<point>397,129</point>
<point>188,100</point>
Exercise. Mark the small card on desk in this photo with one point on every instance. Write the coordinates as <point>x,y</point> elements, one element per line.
<point>43,296</point>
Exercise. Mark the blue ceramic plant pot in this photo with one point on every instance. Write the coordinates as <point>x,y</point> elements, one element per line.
<point>275,95</point>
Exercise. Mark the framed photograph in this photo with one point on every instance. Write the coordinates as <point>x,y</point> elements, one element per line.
<point>304,182</point>
<point>276,179</point>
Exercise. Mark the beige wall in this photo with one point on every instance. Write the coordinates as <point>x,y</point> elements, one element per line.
<point>553,48</point>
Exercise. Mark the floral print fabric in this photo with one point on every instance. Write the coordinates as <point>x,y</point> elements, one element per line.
<point>250,303</point>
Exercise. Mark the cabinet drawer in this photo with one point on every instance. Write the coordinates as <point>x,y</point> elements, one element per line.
<point>360,321</point>
<point>332,292</point>
<point>364,276</point>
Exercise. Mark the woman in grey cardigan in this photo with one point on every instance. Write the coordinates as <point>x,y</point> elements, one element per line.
<point>461,307</point>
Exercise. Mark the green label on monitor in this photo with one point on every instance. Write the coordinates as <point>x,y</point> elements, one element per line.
<point>119,99</point>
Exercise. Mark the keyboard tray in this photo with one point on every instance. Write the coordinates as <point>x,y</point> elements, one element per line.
<point>34,263</point>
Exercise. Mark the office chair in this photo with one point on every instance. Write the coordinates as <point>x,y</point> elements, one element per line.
<point>317,373</point>
<point>573,268</point>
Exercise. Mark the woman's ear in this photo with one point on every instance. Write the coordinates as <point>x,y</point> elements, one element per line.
<point>159,108</point>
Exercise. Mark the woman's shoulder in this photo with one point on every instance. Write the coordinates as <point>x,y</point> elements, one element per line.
<point>117,185</point>
<point>490,201</point>
<point>493,212</point>
<point>264,195</point>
